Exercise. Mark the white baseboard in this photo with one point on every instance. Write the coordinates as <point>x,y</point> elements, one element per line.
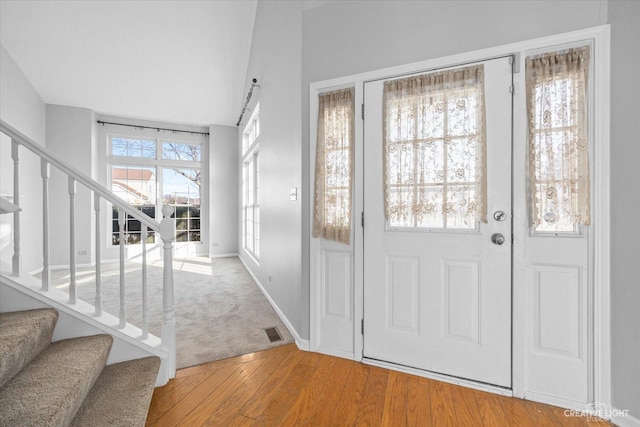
<point>224,255</point>
<point>303,345</point>
<point>300,342</point>
<point>555,401</point>
<point>67,266</point>
<point>618,417</point>
<point>59,267</point>
<point>624,420</point>
<point>337,353</point>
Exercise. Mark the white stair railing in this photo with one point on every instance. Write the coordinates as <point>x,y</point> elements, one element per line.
<point>98,249</point>
<point>15,260</point>
<point>72,241</point>
<point>165,228</point>
<point>45,173</point>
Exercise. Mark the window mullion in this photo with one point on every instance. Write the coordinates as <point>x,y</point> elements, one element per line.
<point>445,152</point>
<point>135,161</point>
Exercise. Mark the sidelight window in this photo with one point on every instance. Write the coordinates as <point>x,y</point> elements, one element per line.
<point>334,166</point>
<point>558,143</point>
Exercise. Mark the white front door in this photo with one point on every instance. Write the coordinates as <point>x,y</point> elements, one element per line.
<point>437,291</point>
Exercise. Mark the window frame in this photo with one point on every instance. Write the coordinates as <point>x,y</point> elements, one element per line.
<point>250,152</point>
<point>334,166</point>
<point>158,164</point>
<point>445,184</point>
<point>579,231</point>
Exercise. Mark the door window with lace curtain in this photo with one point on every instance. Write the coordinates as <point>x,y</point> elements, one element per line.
<point>435,150</point>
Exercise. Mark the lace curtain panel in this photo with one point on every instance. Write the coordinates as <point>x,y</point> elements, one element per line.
<point>334,166</point>
<point>435,150</point>
<point>558,145</point>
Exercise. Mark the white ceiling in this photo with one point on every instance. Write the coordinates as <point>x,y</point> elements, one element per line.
<point>173,61</point>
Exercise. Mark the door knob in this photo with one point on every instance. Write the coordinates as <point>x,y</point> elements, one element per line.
<point>497,239</point>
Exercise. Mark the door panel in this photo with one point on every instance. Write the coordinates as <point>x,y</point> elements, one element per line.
<point>557,328</point>
<point>440,300</point>
<point>335,293</point>
<point>336,282</point>
<point>402,289</point>
<point>461,300</point>
<point>556,301</point>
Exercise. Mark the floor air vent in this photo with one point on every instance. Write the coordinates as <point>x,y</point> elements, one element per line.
<point>273,334</point>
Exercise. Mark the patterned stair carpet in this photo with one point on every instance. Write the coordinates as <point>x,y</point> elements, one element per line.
<point>220,311</point>
<point>66,383</point>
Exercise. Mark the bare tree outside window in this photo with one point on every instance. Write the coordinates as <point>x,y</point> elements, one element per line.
<point>187,152</point>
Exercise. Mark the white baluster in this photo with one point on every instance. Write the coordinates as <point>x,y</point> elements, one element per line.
<point>46,268</point>
<point>145,320</point>
<point>72,241</point>
<point>98,301</point>
<point>167,233</point>
<point>121,222</point>
<point>16,261</point>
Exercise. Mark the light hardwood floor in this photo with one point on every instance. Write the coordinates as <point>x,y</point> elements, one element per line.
<point>288,387</point>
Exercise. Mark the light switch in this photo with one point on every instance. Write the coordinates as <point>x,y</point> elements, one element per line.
<point>293,193</point>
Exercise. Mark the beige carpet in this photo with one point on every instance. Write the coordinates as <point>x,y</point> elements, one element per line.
<point>121,395</point>
<point>220,311</point>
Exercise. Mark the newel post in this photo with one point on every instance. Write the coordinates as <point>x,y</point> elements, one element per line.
<point>167,234</point>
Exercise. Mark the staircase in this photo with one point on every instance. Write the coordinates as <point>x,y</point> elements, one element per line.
<point>22,290</point>
<point>66,383</point>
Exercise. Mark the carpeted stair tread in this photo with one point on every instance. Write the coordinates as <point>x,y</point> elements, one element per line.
<point>121,395</point>
<point>50,390</point>
<point>23,335</point>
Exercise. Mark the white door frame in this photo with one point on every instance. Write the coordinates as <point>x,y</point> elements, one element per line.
<point>600,253</point>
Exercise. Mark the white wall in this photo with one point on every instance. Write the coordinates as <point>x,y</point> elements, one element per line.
<point>22,108</point>
<point>624,17</point>
<point>275,62</point>
<point>223,190</point>
<point>350,37</point>
<point>369,35</point>
<point>70,137</point>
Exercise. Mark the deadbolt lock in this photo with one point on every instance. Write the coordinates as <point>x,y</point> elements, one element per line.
<point>499,216</point>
